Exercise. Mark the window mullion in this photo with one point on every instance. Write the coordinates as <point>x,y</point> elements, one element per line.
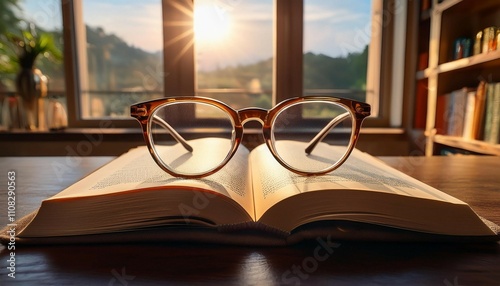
<point>178,48</point>
<point>288,57</point>
<point>70,54</point>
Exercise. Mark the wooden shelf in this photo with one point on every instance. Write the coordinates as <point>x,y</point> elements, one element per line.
<point>469,62</point>
<point>468,144</point>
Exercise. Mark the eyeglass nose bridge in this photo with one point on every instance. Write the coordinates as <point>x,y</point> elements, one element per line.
<point>253,114</point>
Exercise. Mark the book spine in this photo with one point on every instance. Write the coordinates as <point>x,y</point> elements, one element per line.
<point>421,105</point>
<point>456,109</point>
<point>450,121</point>
<point>489,113</point>
<point>442,114</point>
<point>469,115</point>
<point>495,116</point>
<point>462,106</point>
<point>479,111</point>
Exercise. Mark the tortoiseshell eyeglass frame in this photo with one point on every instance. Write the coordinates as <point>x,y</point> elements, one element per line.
<point>143,112</point>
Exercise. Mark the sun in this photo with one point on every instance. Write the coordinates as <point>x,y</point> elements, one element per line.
<point>211,25</point>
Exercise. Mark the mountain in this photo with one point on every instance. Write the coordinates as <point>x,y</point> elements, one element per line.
<point>320,72</point>
<point>115,65</point>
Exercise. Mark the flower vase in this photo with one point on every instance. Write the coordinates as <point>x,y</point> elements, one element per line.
<point>31,86</point>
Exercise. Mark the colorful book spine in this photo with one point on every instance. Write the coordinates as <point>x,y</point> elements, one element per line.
<point>492,124</point>
<point>469,115</point>
<point>479,111</point>
<point>456,112</point>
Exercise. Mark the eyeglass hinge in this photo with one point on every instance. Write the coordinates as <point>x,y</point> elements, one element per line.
<point>364,110</point>
<point>138,111</point>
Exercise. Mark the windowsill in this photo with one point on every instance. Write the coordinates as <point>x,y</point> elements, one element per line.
<point>115,141</point>
<point>67,131</point>
<point>131,131</point>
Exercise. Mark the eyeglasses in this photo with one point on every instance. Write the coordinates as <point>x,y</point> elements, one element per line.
<point>293,130</point>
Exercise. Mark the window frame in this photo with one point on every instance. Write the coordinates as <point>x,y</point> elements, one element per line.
<point>179,75</point>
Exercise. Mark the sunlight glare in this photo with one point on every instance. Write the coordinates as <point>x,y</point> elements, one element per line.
<point>211,25</point>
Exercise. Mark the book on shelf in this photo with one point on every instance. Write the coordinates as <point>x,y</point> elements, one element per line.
<point>470,113</point>
<point>252,200</point>
<point>441,114</point>
<point>423,61</point>
<point>425,5</point>
<point>451,112</point>
<point>456,111</point>
<point>470,106</point>
<point>492,120</point>
<point>480,101</point>
<point>420,115</point>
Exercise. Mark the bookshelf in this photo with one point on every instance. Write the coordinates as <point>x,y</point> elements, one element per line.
<point>441,72</point>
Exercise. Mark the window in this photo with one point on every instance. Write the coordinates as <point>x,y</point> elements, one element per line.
<point>262,52</point>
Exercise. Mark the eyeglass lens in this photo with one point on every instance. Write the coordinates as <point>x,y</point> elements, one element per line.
<point>207,154</point>
<point>296,126</point>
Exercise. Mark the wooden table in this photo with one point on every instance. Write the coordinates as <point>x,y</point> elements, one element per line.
<point>475,180</point>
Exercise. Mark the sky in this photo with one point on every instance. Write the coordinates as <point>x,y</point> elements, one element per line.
<point>45,14</point>
<point>332,27</point>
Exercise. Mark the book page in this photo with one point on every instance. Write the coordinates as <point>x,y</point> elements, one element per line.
<point>137,170</point>
<point>273,183</point>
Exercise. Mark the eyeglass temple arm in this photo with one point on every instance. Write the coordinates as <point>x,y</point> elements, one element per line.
<point>174,133</point>
<point>322,134</point>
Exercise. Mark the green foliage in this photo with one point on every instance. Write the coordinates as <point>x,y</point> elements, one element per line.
<point>23,49</point>
<point>7,60</point>
<point>8,21</point>
<point>324,72</point>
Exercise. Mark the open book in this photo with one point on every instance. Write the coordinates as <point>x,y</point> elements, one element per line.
<point>254,200</point>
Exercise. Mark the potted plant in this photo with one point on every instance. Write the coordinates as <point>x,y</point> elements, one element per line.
<point>31,84</point>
